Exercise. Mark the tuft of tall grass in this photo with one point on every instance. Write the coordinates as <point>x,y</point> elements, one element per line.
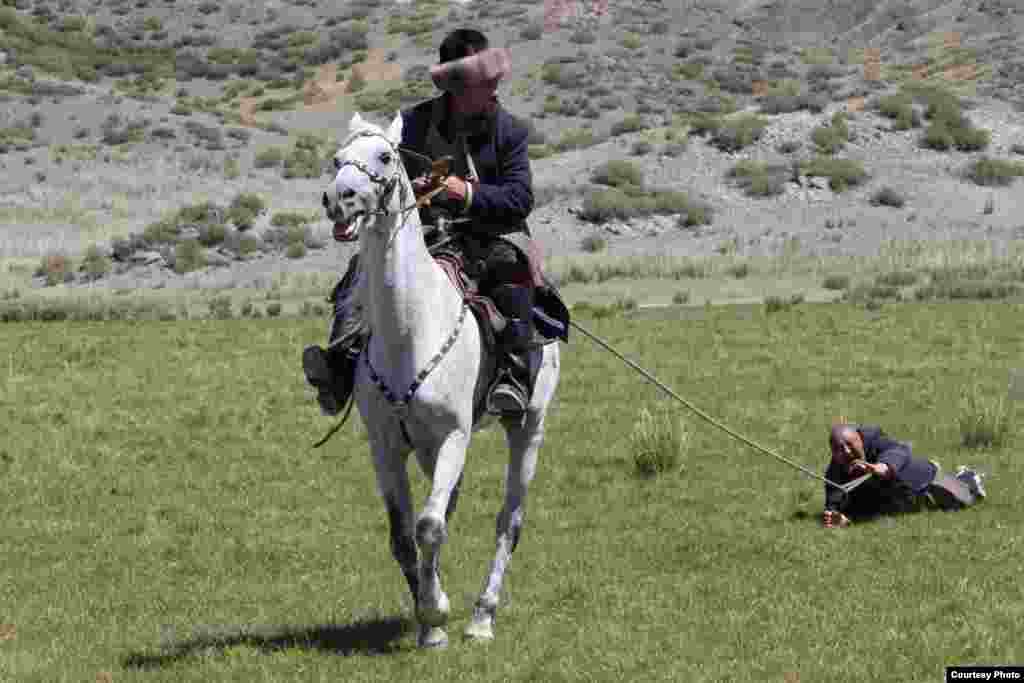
<point>658,443</point>
<point>984,419</point>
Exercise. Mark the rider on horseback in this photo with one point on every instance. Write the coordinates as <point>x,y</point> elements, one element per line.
<point>489,186</point>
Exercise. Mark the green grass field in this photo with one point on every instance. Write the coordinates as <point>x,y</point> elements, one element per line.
<point>165,519</point>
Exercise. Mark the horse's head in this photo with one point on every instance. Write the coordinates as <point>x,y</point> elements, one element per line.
<point>369,170</point>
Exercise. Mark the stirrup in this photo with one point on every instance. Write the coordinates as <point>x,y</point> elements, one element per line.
<point>506,398</point>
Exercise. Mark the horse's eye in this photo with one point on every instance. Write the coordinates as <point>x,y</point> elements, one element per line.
<point>337,164</point>
<point>385,158</point>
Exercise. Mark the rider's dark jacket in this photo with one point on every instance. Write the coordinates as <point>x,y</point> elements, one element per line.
<point>503,198</point>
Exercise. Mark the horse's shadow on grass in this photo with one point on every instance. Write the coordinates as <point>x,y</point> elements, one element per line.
<point>374,636</point>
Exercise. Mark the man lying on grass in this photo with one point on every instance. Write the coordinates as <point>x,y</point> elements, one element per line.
<point>899,482</point>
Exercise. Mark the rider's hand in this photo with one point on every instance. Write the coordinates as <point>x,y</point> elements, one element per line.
<point>455,188</point>
<point>422,185</point>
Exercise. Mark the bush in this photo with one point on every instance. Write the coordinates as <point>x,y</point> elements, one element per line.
<point>836,282</point>
<point>681,297</point>
<point>778,304</point>
<point>739,132</point>
<point>283,219</point>
<point>539,151</point>
<point>631,124</point>
<point>898,278</point>
<point>272,156</point>
<point>831,139</point>
<point>616,173</point>
<point>95,264</point>
<point>641,147</point>
<point>984,420</point>
<point>938,137</point>
<point>658,443</point>
<point>189,256</point>
<point>841,173</point>
<point>220,307</point>
<point>980,290</point>
<point>273,309</point>
<point>295,250</point>
<point>210,235</point>
<point>758,178</point>
<point>577,138</point>
<point>994,172</point>
<point>887,196</point>
<point>593,244</point>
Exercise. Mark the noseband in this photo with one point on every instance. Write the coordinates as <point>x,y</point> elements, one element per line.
<point>388,184</point>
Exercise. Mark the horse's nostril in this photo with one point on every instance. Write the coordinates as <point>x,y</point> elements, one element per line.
<point>327,202</point>
<point>349,193</point>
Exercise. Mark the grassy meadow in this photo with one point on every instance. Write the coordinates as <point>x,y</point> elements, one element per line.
<point>165,518</point>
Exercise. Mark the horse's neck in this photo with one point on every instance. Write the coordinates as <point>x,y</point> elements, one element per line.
<point>410,304</point>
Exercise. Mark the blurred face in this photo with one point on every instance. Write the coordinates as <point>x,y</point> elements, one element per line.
<point>478,101</point>
<point>846,447</point>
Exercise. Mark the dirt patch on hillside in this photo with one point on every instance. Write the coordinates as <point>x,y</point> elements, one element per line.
<point>325,92</point>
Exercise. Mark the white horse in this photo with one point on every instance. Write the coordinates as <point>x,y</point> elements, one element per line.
<point>422,374</point>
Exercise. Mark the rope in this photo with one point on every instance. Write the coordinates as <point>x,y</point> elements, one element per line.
<point>700,413</point>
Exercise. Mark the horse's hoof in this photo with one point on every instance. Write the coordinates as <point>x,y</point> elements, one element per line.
<point>480,631</point>
<point>432,638</point>
<point>433,615</point>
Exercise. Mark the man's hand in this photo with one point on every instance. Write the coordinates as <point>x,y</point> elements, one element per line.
<point>456,188</point>
<point>880,470</point>
<point>423,184</point>
<point>832,519</point>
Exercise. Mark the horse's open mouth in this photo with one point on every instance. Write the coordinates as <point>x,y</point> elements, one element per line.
<point>348,230</point>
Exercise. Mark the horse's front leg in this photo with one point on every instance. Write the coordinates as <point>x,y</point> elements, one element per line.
<point>445,468</point>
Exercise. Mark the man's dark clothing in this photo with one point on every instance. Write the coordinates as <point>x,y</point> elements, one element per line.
<point>503,197</point>
<point>909,490</point>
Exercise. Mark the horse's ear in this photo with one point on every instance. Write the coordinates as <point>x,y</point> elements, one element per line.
<point>356,122</point>
<point>394,133</point>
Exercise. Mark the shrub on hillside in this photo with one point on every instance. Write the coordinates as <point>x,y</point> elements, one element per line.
<point>244,209</point>
<point>577,138</point>
<point>271,156</point>
<point>841,173</point>
<point>994,172</point>
<point>738,132</point>
<point>758,178</point>
<point>617,172</point>
<point>832,138</point>
<point>188,256</point>
<point>836,282</point>
<point>630,124</point>
<point>887,196</point>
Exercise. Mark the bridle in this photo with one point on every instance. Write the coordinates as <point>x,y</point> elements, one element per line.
<point>388,184</point>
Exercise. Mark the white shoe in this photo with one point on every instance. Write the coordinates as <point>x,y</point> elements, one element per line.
<point>972,479</point>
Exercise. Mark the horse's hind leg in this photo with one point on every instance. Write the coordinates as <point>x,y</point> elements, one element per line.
<point>524,442</point>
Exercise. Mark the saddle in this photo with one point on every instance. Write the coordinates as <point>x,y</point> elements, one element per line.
<point>550,314</point>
